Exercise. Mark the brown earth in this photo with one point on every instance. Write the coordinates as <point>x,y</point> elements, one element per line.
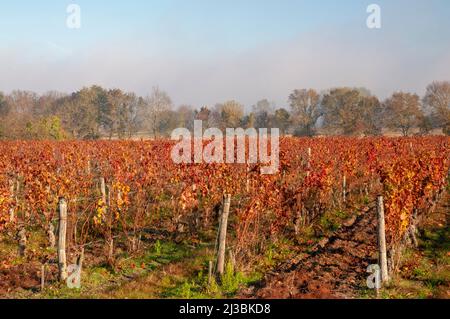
<point>336,268</point>
<point>21,277</point>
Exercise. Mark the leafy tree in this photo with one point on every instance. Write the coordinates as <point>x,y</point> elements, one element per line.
<point>425,124</point>
<point>203,114</point>
<point>372,115</point>
<point>262,119</point>
<point>249,121</point>
<point>281,120</point>
<point>3,113</point>
<point>343,111</point>
<point>110,111</point>
<point>186,116</point>
<point>3,105</point>
<point>402,112</point>
<point>305,108</point>
<point>129,115</point>
<point>262,112</point>
<point>49,104</point>
<point>119,115</point>
<point>262,106</point>
<point>48,128</point>
<point>215,117</point>
<point>84,110</point>
<point>231,113</point>
<point>53,128</point>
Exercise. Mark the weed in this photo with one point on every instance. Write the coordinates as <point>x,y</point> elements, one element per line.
<point>230,280</point>
<point>157,248</point>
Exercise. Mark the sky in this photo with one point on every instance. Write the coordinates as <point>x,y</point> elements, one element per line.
<point>203,52</point>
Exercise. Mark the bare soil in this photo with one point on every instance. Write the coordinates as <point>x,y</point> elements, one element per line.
<point>336,268</point>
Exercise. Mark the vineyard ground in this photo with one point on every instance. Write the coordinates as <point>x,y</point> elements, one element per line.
<point>338,269</point>
<point>334,269</point>
<point>425,272</point>
<point>167,269</point>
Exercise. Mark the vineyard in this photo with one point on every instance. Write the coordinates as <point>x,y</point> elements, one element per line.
<point>123,196</point>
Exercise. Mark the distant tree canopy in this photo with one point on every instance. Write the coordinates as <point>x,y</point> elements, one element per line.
<point>95,112</point>
<point>437,100</point>
<point>231,113</point>
<point>402,112</point>
<point>306,110</point>
<point>351,111</point>
<point>3,104</point>
<point>49,128</point>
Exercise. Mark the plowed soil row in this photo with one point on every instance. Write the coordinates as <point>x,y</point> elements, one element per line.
<point>335,269</point>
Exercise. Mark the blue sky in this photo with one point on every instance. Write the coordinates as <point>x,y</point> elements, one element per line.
<point>202,52</point>
<point>243,23</point>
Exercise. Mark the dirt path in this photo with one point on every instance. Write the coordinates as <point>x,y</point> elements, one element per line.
<point>336,269</point>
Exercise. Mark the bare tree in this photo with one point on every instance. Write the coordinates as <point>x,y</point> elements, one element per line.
<point>131,118</point>
<point>49,103</point>
<point>22,102</point>
<point>156,105</point>
<point>437,99</point>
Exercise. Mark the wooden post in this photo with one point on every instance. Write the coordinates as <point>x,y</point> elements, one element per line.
<point>210,269</point>
<point>119,196</point>
<point>22,237</point>
<point>223,234</point>
<point>108,196</point>
<point>111,250</point>
<point>382,240</point>
<point>62,262</point>
<point>344,188</point>
<point>11,210</point>
<point>11,215</point>
<point>297,222</point>
<point>308,163</point>
<point>103,189</point>
<point>51,235</point>
<point>247,181</point>
<point>412,228</point>
<point>104,198</point>
<point>80,262</point>
<point>232,260</point>
<point>42,277</point>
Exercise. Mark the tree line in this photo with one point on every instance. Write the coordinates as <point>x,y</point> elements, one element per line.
<point>96,112</point>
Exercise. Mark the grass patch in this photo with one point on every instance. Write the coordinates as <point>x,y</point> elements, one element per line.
<point>200,287</point>
<point>425,273</point>
<point>101,280</point>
